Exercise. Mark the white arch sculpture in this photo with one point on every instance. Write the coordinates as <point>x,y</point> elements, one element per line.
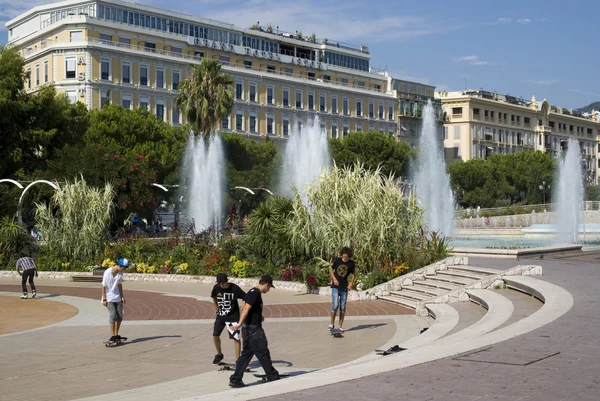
<point>19,216</point>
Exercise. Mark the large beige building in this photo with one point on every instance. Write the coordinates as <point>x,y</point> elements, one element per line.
<point>136,55</point>
<point>479,124</point>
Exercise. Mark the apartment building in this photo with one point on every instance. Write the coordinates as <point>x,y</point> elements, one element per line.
<point>136,55</point>
<point>479,124</point>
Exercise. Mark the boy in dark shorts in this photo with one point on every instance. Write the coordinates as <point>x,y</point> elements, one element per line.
<point>225,296</point>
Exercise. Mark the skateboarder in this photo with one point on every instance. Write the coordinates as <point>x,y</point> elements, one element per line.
<point>113,298</point>
<point>255,340</point>
<point>342,268</point>
<point>29,270</point>
<point>225,295</point>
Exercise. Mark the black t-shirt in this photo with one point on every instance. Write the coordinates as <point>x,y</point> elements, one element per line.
<point>254,299</point>
<point>341,271</point>
<point>227,299</point>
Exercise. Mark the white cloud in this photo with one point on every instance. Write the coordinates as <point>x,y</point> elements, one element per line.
<point>543,81</point>
<point>585,93</point>
<point>524,21</point>
<point>504,20</point>
<point>472,60</point>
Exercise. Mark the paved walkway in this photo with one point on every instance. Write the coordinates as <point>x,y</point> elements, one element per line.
<point>170,348</point>
<point>510,370</point>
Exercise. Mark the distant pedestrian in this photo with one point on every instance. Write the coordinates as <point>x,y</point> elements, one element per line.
<point>113,298</point>
<point>225,295</point>
<point>255,340</point>
<point>29,270</point>
<point>342,268</point>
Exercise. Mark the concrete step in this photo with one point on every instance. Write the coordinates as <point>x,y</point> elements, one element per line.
<point>457,281</point>
<point>426,290</point>
<point>411,295</point>
<point>400,301</point>
<point>435,285</point>
<point>461,274</point>
<point>87,279</point>
<point>474,269</point>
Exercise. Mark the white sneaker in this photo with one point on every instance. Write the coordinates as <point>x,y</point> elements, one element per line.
<point>341,329</point>
<point>33,295</point>
<point>24,296</point>
<point>330,327</point>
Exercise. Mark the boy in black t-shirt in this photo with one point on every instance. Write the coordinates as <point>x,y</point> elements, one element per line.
<point>255,340</point>
<point>225,296</point>
<point>341,269</point>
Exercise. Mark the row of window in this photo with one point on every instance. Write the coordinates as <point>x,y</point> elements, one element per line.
<point>144,102</point>
<point>36,79</point>
<point>144,77</point>
<point>321,106</point>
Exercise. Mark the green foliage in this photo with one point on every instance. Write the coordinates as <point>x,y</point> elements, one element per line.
<point>205,96</point>
<point>501,179</point>
<point>14,239</point>
<point>592,193</point>
<point>373,150</point>
<point>74,222</point>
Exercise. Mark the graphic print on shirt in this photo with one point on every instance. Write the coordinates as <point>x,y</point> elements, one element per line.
<point>225,301</point>
<point>342,271</point>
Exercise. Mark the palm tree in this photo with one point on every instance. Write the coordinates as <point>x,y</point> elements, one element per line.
<point>204,97</point>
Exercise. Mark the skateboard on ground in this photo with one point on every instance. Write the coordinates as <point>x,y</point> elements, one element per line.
<point>336,333</point>
<point>224,366</point>
<point>115,343</point>
<point>391,350</point>
<point>263,378</point>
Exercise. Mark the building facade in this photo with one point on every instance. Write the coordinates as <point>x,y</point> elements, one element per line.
<point>136,55</point>
<point>479,124</point>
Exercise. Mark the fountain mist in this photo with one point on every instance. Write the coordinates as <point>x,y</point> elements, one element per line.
<point>431,181</point>
<point>569,195</point>
<point>204,169</point>
<point>306,154</point>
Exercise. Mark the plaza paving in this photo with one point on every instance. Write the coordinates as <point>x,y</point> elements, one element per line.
<point>170,350</point>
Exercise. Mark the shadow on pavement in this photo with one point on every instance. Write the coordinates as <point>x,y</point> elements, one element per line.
<point>48,296</point>
<point>365,327</point>
<point>142,339</point>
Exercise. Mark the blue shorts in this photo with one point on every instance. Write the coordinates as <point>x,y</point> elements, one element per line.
<point>338,299</point>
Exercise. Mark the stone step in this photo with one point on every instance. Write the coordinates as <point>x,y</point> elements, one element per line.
<point>400,301</point>
<point>426,290</point>
<point>412,295</point>
<point>479,270</point>
<point>461,274</point>
<point>436,285</point>
<point>87,279</point>
<point>449,279</point>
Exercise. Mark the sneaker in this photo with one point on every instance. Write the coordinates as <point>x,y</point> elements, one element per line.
<point>24,296</point>
<point>236,384</point>
<point>33,295</point>
<point>341,329</point>
<point>112,339</point>
<point>218,358</point>
<point>330,327</point>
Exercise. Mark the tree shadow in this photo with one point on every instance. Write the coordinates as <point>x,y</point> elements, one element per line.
<point>48,296</point>
<point>142,339</point>
<point>365,327</point>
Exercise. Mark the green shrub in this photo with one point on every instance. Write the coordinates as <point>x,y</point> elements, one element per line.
<point>13,239</point>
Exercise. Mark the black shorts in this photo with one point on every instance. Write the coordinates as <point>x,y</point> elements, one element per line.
<point>220,326</point>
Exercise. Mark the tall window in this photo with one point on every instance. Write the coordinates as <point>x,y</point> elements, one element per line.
<point>160,78</point>
<point>126,101</point>
<point>345,107</point>
<point>253,92</point>
<point>28,78</point>
<point>175,80</point>
<point>311,101</point>
<point>103,98</point>
<point>239,91</point>
<point>298,99</point>
<point>37,75</point>
<point>143,75</point>
<point>70,67</point>
<point>105,69</point>
<point>225,123</point>
<point>269,125</point>
<point>381,111</point>
<point>345,130</point>
<point>334,109</point>
<point>390,112</point>
<point>252,123</point>
<point>144,103</point>
<point>126,73</point>
<point>358,108</point>
<point>176,115</point>
<point>286,127</point>
<point>45,71</point>
<point>371,112</point>
<point>160,111</point>
<point>322,101</point>
<point>269,95</point>
<point>334,130</point>
<point>286,97</point>
<point>239,120</point>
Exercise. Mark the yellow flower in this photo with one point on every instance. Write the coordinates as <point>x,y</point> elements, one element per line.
<point>107,263</point>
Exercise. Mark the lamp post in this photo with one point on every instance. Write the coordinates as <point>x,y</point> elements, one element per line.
<point>545,189</point>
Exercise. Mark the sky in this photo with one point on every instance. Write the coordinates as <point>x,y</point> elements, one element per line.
<point>522,48</point>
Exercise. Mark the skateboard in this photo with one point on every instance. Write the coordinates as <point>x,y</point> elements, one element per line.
<point>336,334</point>
<point>115,343</point>
<point>263,378</point>
<point>391,350</point>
